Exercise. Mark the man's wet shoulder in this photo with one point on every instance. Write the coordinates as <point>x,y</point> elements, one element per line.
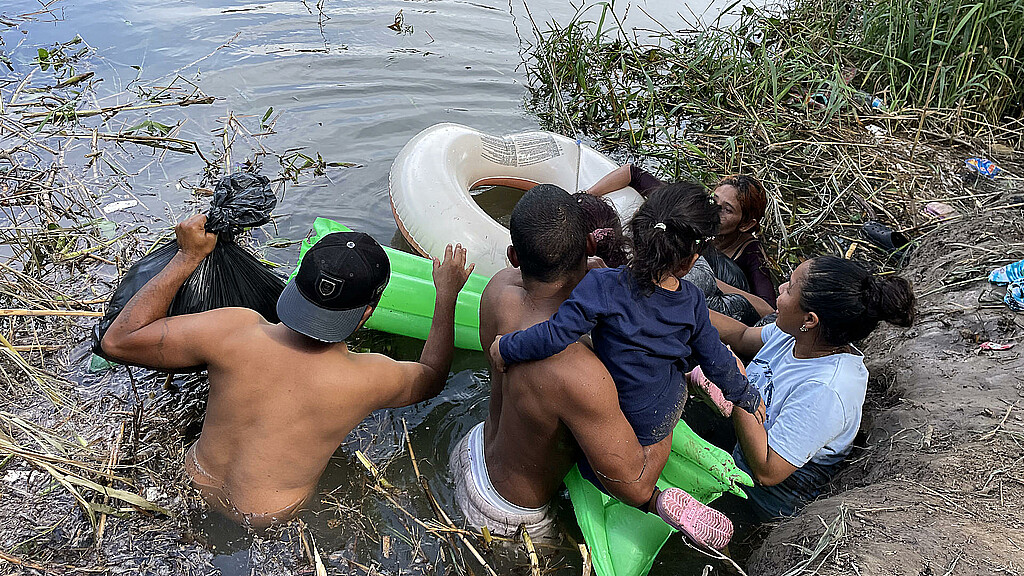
<point>568,366</point>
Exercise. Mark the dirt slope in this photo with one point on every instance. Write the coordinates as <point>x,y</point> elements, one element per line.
<point>938,487</point>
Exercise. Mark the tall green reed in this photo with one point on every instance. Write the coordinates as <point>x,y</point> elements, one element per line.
<point>920,53</point>
<point>785,93</point>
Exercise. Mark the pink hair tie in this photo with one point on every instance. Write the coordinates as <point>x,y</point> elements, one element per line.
<point>602,233</point>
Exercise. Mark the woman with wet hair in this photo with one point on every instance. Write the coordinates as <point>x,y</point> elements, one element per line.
<point>739,259</point>
<point>811,376</point>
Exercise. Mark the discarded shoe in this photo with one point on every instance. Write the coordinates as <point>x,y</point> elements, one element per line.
<point>708,393</point>
<point>1015,296</point>
<point>1007,274</point>
<point>892,241</point>
<point>703,525</point>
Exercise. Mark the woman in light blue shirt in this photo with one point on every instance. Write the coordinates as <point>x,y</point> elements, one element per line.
<point>811,376</point>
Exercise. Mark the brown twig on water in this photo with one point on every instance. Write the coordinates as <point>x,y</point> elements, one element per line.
<point>115,456</point>
<point>442,516</point>
<point>51,569</point>
<point>530,551</point>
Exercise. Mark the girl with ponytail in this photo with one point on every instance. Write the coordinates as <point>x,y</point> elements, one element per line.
<point>812,377</point>
<point>647,325</point>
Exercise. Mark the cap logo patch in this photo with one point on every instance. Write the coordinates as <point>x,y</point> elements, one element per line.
<point>327,287</point>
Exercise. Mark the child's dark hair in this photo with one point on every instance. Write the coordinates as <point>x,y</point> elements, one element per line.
<point>603,221</point>
<point>850,301</point>
<point>548,233</point>
<point>675,223</point>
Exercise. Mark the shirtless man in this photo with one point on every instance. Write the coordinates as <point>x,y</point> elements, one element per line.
<point>284,396</point>
<point>544,414</point>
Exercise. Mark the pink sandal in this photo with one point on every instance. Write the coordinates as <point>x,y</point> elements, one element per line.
<point>709,393</point>
<point>705,526</point>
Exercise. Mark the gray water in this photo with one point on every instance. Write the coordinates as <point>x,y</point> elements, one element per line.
<point>344,85</point>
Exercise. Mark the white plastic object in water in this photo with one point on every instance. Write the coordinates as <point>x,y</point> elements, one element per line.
<point>433,174</point>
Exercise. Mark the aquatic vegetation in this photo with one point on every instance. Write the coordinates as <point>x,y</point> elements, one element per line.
<point>847,110</point>
<point>71,221</point>
<point>962,54</point>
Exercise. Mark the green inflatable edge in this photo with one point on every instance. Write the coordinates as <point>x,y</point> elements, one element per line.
<point>623,540</point>
<point>406,307</point>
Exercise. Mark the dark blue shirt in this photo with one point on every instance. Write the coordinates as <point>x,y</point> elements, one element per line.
<point>647,343</point>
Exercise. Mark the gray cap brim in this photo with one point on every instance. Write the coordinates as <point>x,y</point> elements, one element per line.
<point>306,318</point>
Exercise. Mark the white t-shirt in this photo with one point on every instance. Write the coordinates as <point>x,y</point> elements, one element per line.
<point>813,405</point>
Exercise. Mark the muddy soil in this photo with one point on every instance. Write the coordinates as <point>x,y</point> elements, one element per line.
<point>937,486</point>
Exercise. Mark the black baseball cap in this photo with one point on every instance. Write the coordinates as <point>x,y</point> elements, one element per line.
<point>340,275</point>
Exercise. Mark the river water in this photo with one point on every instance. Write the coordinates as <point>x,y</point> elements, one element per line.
<point>344,85</point>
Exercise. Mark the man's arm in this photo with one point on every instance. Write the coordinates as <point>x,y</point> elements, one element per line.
<point>499,303</point>
<point>413,382</point>
<point>142,334</point>
<point>627,470</point>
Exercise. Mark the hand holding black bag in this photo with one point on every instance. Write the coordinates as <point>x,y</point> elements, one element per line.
<point>229,276</point>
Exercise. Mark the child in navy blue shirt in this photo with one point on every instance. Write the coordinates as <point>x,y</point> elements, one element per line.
<point>647,326</point>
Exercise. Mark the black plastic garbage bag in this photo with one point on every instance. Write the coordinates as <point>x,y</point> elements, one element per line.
<point>726,269</point>
<point>240,201</point>
<point>732,305</point>
<point>229,276</point>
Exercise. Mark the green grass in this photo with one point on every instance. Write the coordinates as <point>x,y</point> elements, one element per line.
<point>942,54</point>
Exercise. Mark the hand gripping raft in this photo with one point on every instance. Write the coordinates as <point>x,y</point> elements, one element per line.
<point>432,176</point>
<point>623,540</point>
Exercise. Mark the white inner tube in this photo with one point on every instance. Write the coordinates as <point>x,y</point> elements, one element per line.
<point>432,176</point>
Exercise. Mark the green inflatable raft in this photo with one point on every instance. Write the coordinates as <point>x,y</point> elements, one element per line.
<point>623,540</point>
<point>407,306</point>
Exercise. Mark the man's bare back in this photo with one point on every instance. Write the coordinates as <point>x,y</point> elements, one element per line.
<point>542,413</point>
<point>528,449</point>
<point>280,401</point>
<point>278,408</point>
<point>545,415</point>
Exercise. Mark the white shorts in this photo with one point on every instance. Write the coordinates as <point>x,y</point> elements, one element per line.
<point>482,505</point>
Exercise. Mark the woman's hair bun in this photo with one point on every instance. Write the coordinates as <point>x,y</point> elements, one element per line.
<point>889,298</point>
